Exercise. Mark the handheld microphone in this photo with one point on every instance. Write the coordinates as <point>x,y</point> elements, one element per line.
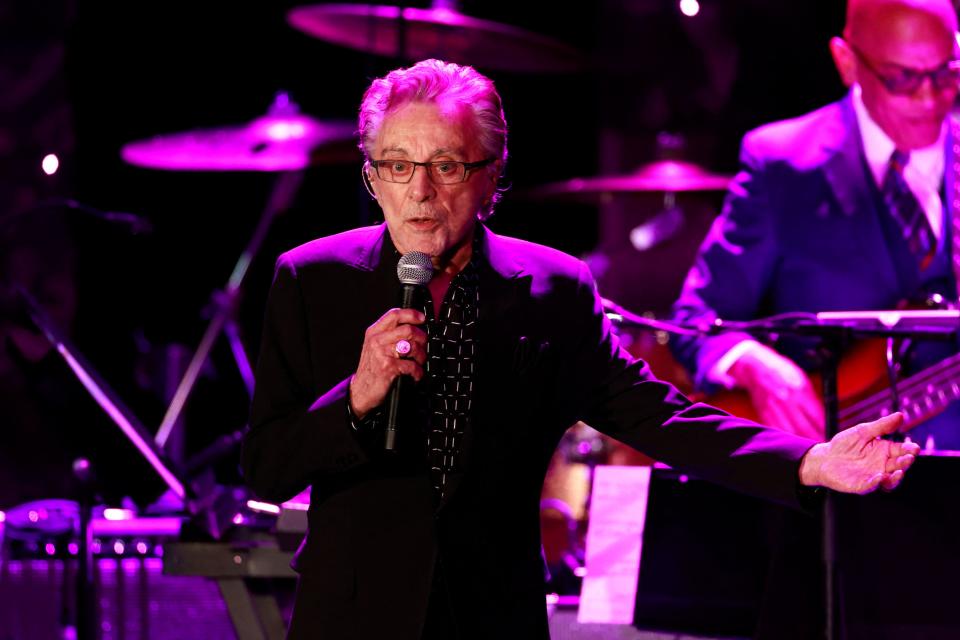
<point>415,269</point>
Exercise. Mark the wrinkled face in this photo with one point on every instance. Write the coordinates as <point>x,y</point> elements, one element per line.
<point>900,37</point>
<point>437,219</point>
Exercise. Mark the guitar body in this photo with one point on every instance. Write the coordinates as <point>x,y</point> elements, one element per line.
<point>863,389</point>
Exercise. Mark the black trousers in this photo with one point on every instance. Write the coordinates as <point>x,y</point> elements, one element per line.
<point>439,623</point>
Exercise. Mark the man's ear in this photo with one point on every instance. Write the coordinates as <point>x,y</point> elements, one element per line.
<point>367,175</point>
<point>844,59</point>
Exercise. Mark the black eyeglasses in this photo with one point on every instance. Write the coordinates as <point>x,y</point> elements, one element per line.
<point>907,81</point>
<point>440,172</point>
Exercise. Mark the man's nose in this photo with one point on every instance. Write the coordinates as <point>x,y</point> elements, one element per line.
<point>421,186</point>
<point>927,92</point>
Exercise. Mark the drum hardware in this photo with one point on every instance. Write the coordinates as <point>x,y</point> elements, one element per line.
<point>213,508</point>
<point>661,176</point>
<point>438,32</point>
<point>667,177</point>
<point>567,490</point>
<point>283,141</point>
<point>131,427</point>
<point>129,222</point>
<point>662,226</point>
<point>108,400</point>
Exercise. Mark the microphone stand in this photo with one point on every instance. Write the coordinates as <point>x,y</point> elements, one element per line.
<point>223,320</point>
<point>108,400</point>
<point>86,612</point>
<point>832,329</point>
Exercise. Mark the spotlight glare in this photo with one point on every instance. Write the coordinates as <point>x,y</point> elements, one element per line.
<point>50,164</point>
<point>689,8</point>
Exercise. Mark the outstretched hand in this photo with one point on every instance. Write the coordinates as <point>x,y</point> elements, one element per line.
<point>858,460</point>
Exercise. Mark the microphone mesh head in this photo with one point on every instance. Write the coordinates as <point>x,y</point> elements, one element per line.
<point>415,268</point>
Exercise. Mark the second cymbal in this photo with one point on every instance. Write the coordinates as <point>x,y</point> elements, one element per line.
<point>286,142</point>
<point>661,176</point>
<point>436,32</point>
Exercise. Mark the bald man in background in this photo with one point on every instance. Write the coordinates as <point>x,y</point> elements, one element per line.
<point>808,225</point>
<point>849,207</point>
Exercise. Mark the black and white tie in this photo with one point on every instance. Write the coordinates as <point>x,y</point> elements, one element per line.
<point>906,210</point>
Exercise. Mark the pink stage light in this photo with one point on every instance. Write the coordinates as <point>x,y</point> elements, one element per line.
<point>263,507</point>
<point>50,164</point>
<point>286,130</point>
<point>113,514</point>
<point>689,8</point>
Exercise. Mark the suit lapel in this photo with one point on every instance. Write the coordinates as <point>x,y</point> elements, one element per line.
<point>853,187</point>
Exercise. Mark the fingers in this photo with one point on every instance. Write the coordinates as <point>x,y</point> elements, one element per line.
<point>899,463</point>
<point>395,317</point>
<point>810,409</point>
<point>883,426</point>
<point>415,337</point>
<point>905,447</point>
<point>395,325</point>
<point>391,324</point>
<point>381,362</point>
<point>890,482</point>
<point>410,368</point>
<point>871,484</point>
<point>780,391</point>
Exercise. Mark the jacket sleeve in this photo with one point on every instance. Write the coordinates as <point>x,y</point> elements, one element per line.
<point>297,432</point>
<point>732,271</point>
<point>621,397</point>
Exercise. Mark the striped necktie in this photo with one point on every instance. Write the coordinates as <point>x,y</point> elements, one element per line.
<point>906,210</point>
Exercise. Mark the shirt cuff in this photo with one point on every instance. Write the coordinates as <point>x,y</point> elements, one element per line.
<point>366,424</point>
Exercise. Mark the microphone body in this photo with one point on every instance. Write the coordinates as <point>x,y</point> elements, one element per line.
<point>414,270</point>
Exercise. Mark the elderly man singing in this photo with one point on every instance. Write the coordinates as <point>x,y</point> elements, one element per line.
<point>505,348</point>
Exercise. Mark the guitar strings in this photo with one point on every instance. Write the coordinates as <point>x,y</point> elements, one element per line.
<point>872,407</point>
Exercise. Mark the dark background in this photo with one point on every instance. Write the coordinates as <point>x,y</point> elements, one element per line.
<point>84,78</point>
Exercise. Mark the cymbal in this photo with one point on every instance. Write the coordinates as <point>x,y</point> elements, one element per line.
<point>287,142</point>
<point>437,32</point>
<point>659,176</point>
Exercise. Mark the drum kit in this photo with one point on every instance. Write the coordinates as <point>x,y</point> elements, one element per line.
<point>286,142</point>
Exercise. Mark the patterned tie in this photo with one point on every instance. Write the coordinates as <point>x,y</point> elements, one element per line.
<point>906,210</point>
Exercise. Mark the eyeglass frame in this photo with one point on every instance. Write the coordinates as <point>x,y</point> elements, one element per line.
<point>910,75</point>
<point>467,168</point>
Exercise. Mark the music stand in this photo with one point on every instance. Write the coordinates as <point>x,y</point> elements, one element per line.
<point>832,329</point>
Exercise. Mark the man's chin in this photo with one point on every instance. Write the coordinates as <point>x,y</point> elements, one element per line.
<point>919,137</point>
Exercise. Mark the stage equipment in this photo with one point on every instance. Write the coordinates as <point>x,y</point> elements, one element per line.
<point>438,32</point>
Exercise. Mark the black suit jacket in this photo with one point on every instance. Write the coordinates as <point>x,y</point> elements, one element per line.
<point>546,358</point>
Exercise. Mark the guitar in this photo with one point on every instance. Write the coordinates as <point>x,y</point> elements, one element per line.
<point>864,392</point>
